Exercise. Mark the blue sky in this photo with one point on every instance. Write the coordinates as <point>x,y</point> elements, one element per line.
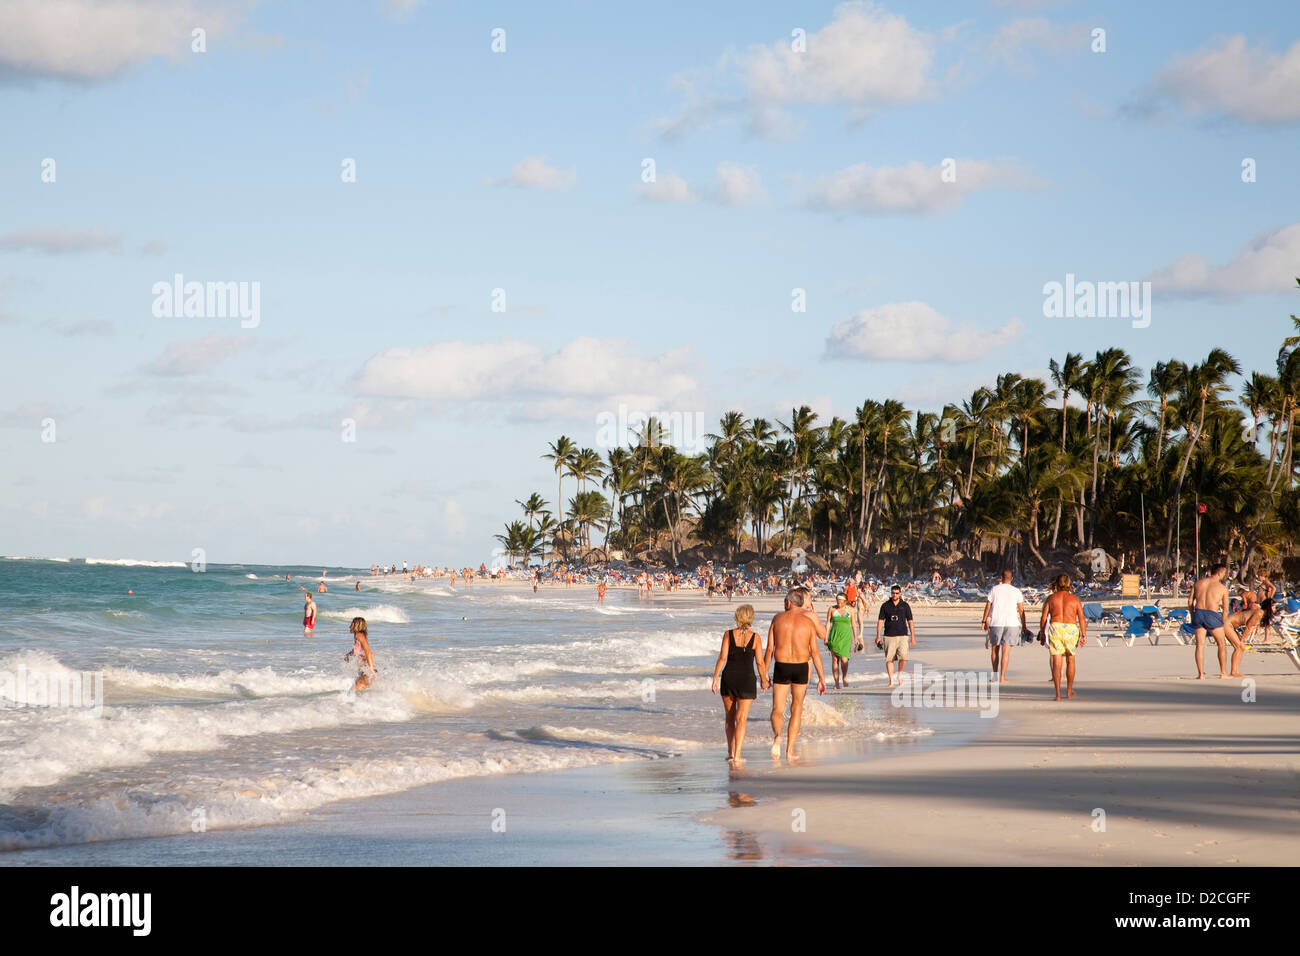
<point>775,169</point>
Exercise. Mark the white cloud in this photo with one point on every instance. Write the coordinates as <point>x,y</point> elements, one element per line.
<point>89,40</point>
<point>356,83</point>
<point>914,189</point>
<point>533,173</point>
<point>77,329</point>
<point>197,355</point>
<point>56,241</point>
<point>738,185</point>
<point>582,375</point>
<point>29,416</point>
<point>400,9</point>
<point>454,524</point>
<point>1015,40</point>
<point>865,59</point>
<point>1030,4</point>
<point>1268,263</point>
<point>667,189</point>
<point>1252,84</point>
<point>914,332</point>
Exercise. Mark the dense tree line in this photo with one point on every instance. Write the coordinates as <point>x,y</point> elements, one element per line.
<point>1016,467</point>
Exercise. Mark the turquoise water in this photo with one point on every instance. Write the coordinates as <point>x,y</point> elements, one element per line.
<point>217,713</point>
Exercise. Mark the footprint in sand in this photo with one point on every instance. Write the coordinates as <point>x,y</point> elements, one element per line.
<point>1158,833</point>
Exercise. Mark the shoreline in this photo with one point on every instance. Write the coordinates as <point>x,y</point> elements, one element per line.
<point>1187,773</point>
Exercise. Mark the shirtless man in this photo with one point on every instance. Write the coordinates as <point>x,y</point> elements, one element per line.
<point>791,641</point>
<point>308,615</point>
<point>1064,630</point>
<point>1208,603</point>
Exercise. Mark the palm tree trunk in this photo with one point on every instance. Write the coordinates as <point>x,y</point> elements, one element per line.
<point>1160,436</point>
<point>1096,452</point>
<point>970,475</point>
<point>1253,540</point>
<point>1182,473</point>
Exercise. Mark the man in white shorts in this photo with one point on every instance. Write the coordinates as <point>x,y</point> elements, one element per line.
<point>1004,622</point>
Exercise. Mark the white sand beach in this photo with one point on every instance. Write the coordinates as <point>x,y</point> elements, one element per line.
<point>1187,772</point>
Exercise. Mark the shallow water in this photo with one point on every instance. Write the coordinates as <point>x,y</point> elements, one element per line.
<point>217,713</point>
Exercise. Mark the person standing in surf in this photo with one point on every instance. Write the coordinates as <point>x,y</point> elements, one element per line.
<point>791,643</point>
<point>842,637</point>
<point>308,615</point>
<point>361,654</point>
<point>735,675</point>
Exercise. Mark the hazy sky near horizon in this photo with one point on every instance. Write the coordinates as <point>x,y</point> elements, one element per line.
<point>919,171</point>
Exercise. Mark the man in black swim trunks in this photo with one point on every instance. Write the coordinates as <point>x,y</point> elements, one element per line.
<point>791,641</point>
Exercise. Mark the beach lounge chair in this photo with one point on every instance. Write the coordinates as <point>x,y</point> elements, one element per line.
<point>1139,626</point>
<point>1162,622</point>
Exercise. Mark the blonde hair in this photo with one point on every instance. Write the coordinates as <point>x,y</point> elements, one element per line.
<point>745,615</point>
<point>359,626</point>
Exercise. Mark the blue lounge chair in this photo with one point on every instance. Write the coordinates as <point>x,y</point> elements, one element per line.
<point>1139,626</point>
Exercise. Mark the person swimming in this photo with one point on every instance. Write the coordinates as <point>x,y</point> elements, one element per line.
<point>362,654</point>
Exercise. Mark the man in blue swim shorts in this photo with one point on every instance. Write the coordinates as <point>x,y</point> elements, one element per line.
<point>1208,603</point>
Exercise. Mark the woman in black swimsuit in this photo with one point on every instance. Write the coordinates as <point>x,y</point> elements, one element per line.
<point>737,669</point>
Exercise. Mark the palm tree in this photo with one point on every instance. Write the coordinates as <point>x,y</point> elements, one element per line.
<point>1200,386</point>
<point>588,509</point>
<point>585,465</point>
<point>517,540</point>
<point>1067,377</point>
<point>803,435</point>
<point>1164,383</point>
<point>561,455</point>
<point>533,506</point>
<point>891,420</point>
<point>620,479</point>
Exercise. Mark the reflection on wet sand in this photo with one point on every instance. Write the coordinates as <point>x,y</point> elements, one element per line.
<point>743,845</point>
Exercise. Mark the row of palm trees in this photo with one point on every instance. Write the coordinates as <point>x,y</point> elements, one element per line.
<point>1017,468</point>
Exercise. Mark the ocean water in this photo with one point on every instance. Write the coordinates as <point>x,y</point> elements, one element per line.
<point>196,702</point>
